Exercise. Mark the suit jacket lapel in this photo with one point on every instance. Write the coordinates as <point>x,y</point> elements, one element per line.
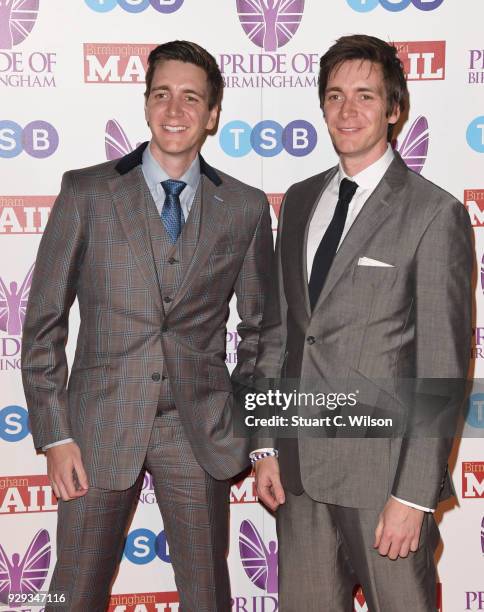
<point>129,192</point>
<point>294,246</point>
<point>372,215</point>
<point>211,220</point>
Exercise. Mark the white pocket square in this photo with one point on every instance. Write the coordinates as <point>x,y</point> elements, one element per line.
<point>367,261</point>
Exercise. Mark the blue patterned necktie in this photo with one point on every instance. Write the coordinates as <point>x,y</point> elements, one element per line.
<point>171,214</point>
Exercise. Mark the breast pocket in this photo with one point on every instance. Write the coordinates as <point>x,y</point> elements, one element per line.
<point>225,249</point>
<point>374,277</point>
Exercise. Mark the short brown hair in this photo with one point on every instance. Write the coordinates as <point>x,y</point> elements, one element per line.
<point>377,51</point>
<point>191,53</point>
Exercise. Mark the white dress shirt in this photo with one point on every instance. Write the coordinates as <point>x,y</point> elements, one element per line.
<point>367,180</point>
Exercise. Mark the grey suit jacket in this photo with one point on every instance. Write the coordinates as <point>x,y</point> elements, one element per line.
<point>371,329</point>
<point>97,247</point>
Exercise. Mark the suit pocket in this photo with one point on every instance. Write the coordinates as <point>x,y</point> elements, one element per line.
<point>89,366</point>
<point>374,276</point>
<point>225,250</point>
<point>219,378</point>
<point>88,377</point>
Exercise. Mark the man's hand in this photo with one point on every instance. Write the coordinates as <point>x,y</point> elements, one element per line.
<point>268,483</point>
<point>398,529</point>
<point>66,471</point>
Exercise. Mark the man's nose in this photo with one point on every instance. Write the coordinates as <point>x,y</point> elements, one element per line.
<point>348,107</point>
<point>174,107</point>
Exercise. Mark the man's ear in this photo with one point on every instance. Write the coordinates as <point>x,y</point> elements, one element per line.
<point>213,116</point>
<point>395,115</point>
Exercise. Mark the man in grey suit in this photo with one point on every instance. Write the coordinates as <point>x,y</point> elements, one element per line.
<point>153,246</point>
<point>374,296</point>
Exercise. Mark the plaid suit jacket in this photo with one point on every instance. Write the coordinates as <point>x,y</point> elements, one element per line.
<point>97,247</point>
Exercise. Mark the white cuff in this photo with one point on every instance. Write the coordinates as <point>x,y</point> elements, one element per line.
<point>412,505</point>
<point>65,441</point>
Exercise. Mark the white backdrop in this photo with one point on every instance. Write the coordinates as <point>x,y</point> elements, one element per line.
<point>71,95</point>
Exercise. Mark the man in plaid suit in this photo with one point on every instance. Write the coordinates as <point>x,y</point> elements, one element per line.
<point>153,246</point>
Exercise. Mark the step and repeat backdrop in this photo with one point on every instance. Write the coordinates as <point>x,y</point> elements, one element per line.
<point>71,95</point>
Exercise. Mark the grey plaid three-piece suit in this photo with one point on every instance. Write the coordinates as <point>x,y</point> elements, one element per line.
<point>151,347</point>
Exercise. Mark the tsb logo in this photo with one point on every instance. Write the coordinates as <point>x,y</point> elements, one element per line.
<point>268,138</point>
<point>475,134</point>
<point>14,424</point>
<point>475,414</point>
<point>135,6</point>
<point>363,6</point>
<point>38,139</point>
<point>142,546</point>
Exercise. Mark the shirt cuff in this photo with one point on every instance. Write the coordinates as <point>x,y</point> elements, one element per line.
<point>262,450</point>
<point>65,441</point>
<point>412,505</point>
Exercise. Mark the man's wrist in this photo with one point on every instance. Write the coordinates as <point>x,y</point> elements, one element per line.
<point>58,443</point>
<point>412,505</point>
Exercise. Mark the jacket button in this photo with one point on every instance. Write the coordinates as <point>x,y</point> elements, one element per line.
<point>172,260</point>
<point>164,328</point>
<point>310,339</point>
<point>167,299</point>
<point>155,376</point>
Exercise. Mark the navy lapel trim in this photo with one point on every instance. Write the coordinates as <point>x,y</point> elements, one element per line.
<point>130,161</point>
<point>135,158</point>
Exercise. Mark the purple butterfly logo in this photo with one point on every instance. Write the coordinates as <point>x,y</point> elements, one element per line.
<point>17,18</point>
<point>415,146</point>
<point>482,274</point>
<point>116,142</point>
<point>258,560</point>
<point>26,575</point>
<point>13,304</point>
<point>482,535</point>
<point>270,24</point>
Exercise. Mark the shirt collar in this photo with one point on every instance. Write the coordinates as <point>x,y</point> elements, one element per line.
<point>371,176</point>
<point>155,174</point>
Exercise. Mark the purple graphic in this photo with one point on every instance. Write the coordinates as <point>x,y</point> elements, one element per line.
<point>13,303</point>
<point>25,575</point>
<point>258,561</point>
<point>270,24</point>
<point>482,535</point>
<point>17,18</point>
<point>415,145</point>
<point>116,141</point>
<point>482,274</point>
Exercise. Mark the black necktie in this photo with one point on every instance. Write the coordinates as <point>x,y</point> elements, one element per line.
<point>329,242</point>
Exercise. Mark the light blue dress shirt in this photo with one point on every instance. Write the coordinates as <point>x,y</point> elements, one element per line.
<point>154,174</point>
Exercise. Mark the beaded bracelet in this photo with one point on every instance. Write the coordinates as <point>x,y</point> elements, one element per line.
<point>254,457</point>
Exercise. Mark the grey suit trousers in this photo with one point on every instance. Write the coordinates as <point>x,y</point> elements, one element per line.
<point>195,511</point>
<point>327,550</point>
